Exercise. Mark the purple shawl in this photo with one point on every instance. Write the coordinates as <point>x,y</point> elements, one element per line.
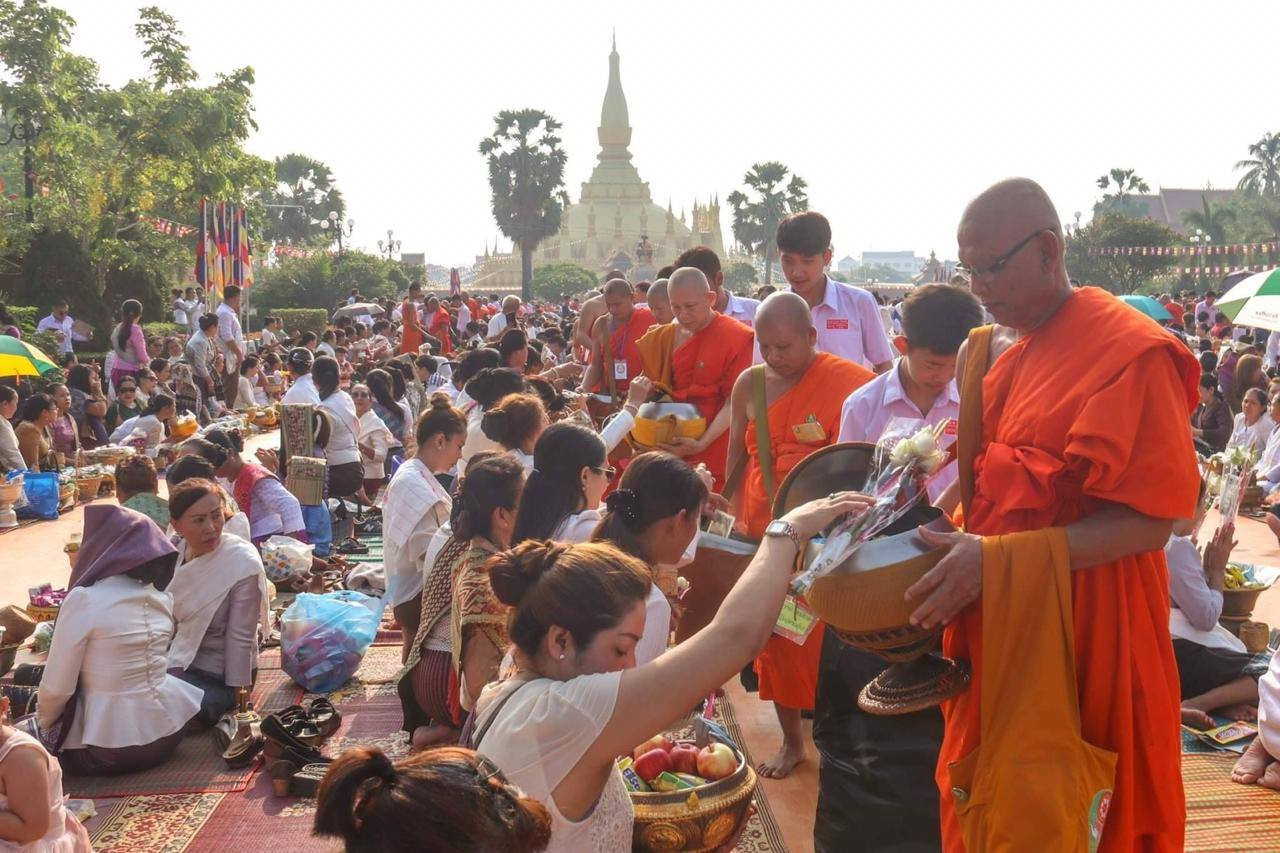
<point>117,539</point>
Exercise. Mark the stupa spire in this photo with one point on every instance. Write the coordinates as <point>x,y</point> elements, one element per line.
<point>614,132</point>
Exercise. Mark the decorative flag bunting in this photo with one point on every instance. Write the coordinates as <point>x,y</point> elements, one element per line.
<point>168,226</point>
<point>1190,251</point>
<point>224,252</point>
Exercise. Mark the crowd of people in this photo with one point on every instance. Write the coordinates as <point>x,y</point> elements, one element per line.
<point>532,543</point>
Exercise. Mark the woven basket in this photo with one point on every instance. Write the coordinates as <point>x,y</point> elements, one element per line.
<point>87,487</point>
<point>305,480</point>
<point>42,614</point>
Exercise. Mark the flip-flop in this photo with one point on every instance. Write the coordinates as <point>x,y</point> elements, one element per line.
<point>324,716</point>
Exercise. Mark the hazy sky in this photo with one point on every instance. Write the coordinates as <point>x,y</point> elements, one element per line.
<point>896,113</point>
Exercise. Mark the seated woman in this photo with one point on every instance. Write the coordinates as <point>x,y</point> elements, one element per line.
<point>1211,421</point>
<point>32,431</point>
<point>484,390</point>
<point>188,395</point>
<point>10,457</point>
<point>106,702</point>
<point>126,405</point>
<point>343,470</point>
<point>481,522</point>
<point>1253,424</point>
<point>272,510</point>
<point>375,441</point>
<point>654,517</point>
<point>1215,669</point>
<point>515,424</point>
<point>151,423</point>
<point>1267,470</point>
<point>88,405</point>
<point>562,497</point>
<point>477,620</point>
<point>384,405</point>
<point>219,600</point>
<point>33,812</point>
<point>246,397</point>
<point>448,800</point>
<point>578,701</point>
<point>414,508</point>
<point>64,434</point>
<point>137,487</point>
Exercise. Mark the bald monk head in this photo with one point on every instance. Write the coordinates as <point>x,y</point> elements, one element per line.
<point>619,299</point>
<point>691,298</point>
<point>784,330</point>
<point>659,302</point>
<point>587,316</point>
<point>1011,243</point>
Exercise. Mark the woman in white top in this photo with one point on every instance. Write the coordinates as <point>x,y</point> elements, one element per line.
<point>375,440</point>
<point>1252,426</point>
<point>578,700</point>
<point>653,516</point>
<point>1267,470</point>
<point>515,423</point>
<point>270,508</point>
<point>10,457</point>
<point>151,423</point>
<point>34,817</point>
<point>486,389</point>
<point>342,458</point>
<point>109,652</point>
<point>569,476</point>
<point>415,506</point>
<point>246,396</point>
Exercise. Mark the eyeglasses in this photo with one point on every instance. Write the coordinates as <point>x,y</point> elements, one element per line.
<point>994,268</point>
<point>607,470</point>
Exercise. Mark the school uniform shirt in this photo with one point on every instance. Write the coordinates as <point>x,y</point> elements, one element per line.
<point>849,325</point>
<point>741,308</point>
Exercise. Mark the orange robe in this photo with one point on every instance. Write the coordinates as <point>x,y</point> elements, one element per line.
<point>438,328</point>
<point>622,346</point>
<point>1089,409</point>
<point>788,672</point>
<point>701,372</point>
<point>410,337</point>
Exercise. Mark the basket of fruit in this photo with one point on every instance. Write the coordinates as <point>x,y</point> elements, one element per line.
<point>1240,590</point>
<point>686,798</point>
<point>43,602</point>
<point>184,425</point>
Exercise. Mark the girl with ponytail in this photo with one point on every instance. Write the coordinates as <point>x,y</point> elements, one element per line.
<point>128,343</point>
<point>570,474</point>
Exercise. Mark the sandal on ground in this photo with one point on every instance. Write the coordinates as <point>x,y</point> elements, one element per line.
<point>244,748</point>
<point>224,730</point>
<point>289,778</point>
<point>324,716</point>
<point>281,738</point>
<point>351,545</point>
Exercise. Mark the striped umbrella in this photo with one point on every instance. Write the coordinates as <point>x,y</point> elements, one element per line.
<point>1254,302</point>
<point>22,359</point>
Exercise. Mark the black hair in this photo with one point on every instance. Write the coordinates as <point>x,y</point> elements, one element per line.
<point>78,378</point>
<point>231,439</point>
<point>8,394</point>
<point>805,233</point>
<point>655,486</point>
<point>187,468</point>
<point>938,317</point>
<point>249,363</point>
<point>158,402</point>
<point>379,382</point>
<point>490,483</point>
<point>130,311</point>
<point>700,258</point>
<point>324,373</point>
<point>493,383</point>
<point>213,452</point>
<point>554,489</point>
<point>35,406</point>
<point>208,321</point>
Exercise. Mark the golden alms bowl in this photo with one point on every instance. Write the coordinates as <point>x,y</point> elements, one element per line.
<point>659,423</point>
<point>696,819</point>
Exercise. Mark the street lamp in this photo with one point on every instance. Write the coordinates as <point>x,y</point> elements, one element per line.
<point>1201,239</point>
<point>25,132</point>
<point>332,224</point>
<point>391,246</point>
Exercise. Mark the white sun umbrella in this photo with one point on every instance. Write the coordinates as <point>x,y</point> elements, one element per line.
<point>1254,302</point>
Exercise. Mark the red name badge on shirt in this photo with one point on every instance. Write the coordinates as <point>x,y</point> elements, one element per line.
<point>837,323</point>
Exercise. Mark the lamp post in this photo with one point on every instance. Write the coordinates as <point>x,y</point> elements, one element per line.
<point>25,132</point>
<point>391,246</point>
<point>333,225</point>
<point>1199,239</point>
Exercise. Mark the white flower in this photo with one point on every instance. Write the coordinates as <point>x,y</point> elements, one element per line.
<point>901,453</point>
<point>933,461</point>
<point>923,443</point>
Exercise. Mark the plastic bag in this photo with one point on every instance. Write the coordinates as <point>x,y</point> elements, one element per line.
<point>284,557</point>
<point>41,491</point>
<point>324,637</point>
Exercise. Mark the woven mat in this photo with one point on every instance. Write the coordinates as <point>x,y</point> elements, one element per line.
<point>1224,816</point>
<point>374,544</point>
<point>761,834</point>
<point>196,767</point>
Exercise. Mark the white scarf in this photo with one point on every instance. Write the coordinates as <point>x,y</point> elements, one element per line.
<point>1217,638</point>
<point>199,586</point>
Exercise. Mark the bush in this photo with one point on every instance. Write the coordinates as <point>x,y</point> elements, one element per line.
<point>553,282</point>
<point>165,330</point>
<point>297,320</point>
<point>26,316</point>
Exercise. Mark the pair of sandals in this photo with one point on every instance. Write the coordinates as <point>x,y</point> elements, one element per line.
<point>22,693</point>
<point>290,737</point>
<point>351,545</point>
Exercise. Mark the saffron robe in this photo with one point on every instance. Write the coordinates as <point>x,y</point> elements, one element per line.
<point>622,347</point>
<point>788,672</point>
<point>410,337</point>
<point>1087,410</point>
<point>438,327</point>
<point>702,372</point>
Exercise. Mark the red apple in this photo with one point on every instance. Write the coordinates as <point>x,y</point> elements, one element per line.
<point>684,758</point>
<point>661,742</point>
<point>652,764</point>
<point>716,761</point>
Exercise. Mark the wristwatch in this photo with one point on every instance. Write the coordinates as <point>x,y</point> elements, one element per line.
<point>784,528</point>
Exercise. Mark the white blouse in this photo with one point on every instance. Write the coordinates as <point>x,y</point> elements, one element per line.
<point>525,459</point>
<point>1252,438</point>
<point>344,429</point>
<point>375,435</point>
<point>112,642</point>
<point>577,527</point>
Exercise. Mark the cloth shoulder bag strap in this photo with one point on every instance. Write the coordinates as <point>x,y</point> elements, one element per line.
<point>472,739</point>
<point>969,429</point>
<point>607,367</point>
<point>739,469</point>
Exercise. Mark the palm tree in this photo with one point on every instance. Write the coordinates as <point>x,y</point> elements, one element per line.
<point>526,177</point>
<point>1262,175</point>
<point>303,196</point>
<point>1211,219</point>
<point>1122,183</point>
<point>756,219</point>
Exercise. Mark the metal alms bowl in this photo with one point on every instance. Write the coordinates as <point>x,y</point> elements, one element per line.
<point>659,423</point>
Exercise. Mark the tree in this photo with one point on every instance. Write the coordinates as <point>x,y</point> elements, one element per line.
<point>740,274</point>
<point>323,280</point>
<point>526,178</point>
<point>302,197</point>
<point>553,282</point>
<point>756,218</point>
<point>1122,183</point>
<point>1262,170</point>
<point>1119,273</point>
<point>1212,219</point>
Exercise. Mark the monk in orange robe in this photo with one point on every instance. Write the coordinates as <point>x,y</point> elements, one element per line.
<point>411,331</point>
<point>1081,421</point>
<point>439,323</point>
<point>615,361</point>
<point>804,391</point>
<point>697,359</point>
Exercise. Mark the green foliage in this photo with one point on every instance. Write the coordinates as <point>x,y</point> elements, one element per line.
<point>1212,219</point>
<point>555,281</point>
<point>165,50</point>
<point>165,330</point>
<point>526,180</point>
<point>739,275</point>
<point>1262,168</point>
<point>1122,183</point>
<point>295,320</point>
<point>1253,217</point>
<point>878,272</point>
<point>1119,273</point>
<point>26,317</point>
<point>756,217</point>
<point>304,186</point>
<point>323,281</point>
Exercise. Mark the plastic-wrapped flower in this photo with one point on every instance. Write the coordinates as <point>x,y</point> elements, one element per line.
<point>923,443</point>
<point>933,461</point>
<point>902,452</point>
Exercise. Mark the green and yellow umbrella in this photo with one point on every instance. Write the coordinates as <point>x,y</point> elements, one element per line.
<point>1254,301</point>
<point>22,359</point>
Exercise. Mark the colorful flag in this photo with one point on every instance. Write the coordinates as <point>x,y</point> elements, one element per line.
<point>455,282</point>
<point>244,249</point>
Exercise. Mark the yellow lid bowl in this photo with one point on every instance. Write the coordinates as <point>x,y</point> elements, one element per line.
<point>659,423</point>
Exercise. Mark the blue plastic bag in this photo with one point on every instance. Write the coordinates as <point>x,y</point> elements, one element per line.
<point>41,493</point>
<point>323,638</point>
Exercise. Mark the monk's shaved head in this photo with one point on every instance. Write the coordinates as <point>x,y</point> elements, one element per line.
<point>691,298</point>
<point>688,280</point>
<point>659,302</point>
<point>619,298</point>
<point>785,308</point>
<point>1011,245</point>
<point>618,287</point>
<point>785,334</point>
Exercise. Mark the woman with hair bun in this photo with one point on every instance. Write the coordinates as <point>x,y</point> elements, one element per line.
<point>415,506</point>
<point>271,509</point>
<point>653,516</point>
<point>444,800</point>
<point>515,423</point>
<point>569,476</point>
<point>485,389</point>
<point>578,700</point>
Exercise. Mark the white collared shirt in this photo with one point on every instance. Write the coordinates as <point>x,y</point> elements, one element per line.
<point>867,411</point>
<point>849,325</point>
<point>741,308</point>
